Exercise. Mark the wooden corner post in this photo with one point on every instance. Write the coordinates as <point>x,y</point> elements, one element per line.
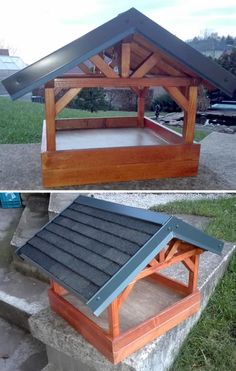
<point>50,111</point>
<point>113,319</point>
<point>141,106</point>
<point>190,115</point>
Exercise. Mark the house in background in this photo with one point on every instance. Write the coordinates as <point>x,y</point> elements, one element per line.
<point>8,66</point>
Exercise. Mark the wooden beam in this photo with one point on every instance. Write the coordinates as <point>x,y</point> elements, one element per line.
<point>146,66</point>
<point>113,319</point>
<point>188,264</point>
<point>84,68</point>
<point>123,296</point>
<point>103,66</point>
<point>125,59</point>
<point>58,289</point>
<point>89,82</point>
<point>190,115</point>
<point>172,250</point>
<point>66,98</point>
<point>180,99</point>
<point>50,112</point>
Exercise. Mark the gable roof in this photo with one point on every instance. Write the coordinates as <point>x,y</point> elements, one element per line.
<point>95,248</point>
<point>126,24</point>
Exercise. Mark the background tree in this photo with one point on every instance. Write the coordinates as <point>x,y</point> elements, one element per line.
<point>90,99</point>
<point>228,61</point>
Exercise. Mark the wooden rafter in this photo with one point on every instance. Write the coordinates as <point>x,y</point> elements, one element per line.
<point>84,68</point>
<point>146,66</point>
<point>103,66</point>
<point>66,98</point>
<point>172,249</point>
<point>125,59</point>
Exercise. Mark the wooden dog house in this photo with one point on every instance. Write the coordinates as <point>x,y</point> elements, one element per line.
<point>130,51</point>
<point>104,261</point>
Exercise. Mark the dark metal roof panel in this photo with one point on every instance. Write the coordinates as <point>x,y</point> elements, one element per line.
<point>95,248</point>
<point>108,34</point>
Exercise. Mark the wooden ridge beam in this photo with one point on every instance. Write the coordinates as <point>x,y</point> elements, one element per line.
<point>103,66</point>
<point>165,81</point>
<point>125,59</point>
<point>66,98</point>
<point>146,66</point>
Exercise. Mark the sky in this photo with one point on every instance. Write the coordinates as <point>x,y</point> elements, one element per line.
<point>37,28</point>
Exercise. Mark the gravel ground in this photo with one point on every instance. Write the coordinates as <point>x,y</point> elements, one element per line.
<point>59,201</point>
<point>146,200</point>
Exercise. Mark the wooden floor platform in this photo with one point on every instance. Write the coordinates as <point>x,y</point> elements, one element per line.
<point>107,138</point>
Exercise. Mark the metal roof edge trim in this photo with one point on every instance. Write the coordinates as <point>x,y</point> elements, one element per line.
<point>113,287</point>
<point>44,79</point>
<point>131,211</point>
<point>195,236</point>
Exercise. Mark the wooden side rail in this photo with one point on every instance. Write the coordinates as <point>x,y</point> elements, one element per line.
<point>96,123</point>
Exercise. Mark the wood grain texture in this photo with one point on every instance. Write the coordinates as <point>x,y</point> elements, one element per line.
<point>179,98</point>
<point>96,123</point>
<point>50,112</point>
<point>66,98</point>
<point>117,164</point>
<point>165,133</point>
<point>113,319</point>
<point>103,67</point>
<point>89,82</point>
<point>146,66</point>
<point>190,115</point>
<point>125,59</point>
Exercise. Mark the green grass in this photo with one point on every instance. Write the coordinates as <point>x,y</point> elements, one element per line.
<point>198,134</point>
<point>211,345</point>
<point>21,122</point>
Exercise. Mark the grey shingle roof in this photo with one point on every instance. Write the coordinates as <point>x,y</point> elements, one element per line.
<point>95,248</point>
<point>107,35</point>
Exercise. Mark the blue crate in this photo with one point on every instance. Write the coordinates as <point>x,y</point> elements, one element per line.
<point>10,200</point>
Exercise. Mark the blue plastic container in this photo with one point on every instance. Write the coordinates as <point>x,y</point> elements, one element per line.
<point>10,200</point>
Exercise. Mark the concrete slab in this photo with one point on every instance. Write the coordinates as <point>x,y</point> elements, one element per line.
<point>67,350</point>
<point>19,351</point>
<point>103,138</point>
<point>216,170</point>
<point>9,219</point>
<point>34,217</point>
<point>21,297</point>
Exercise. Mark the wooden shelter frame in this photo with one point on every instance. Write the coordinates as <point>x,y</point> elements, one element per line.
<point>134,64</point>
<point>116,345</point>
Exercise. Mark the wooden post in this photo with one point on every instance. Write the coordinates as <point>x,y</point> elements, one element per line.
<point>113,319</point>
<point>125,59</point>
<point>193,275</point>
<point>141,106</point>
<point>50,111</point>
<point>59,290</point>
<point>190,115</point>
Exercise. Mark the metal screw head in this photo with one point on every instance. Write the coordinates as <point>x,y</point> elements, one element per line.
<point>98,298</point>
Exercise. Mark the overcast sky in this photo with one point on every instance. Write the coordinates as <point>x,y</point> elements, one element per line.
<point>37,28</point>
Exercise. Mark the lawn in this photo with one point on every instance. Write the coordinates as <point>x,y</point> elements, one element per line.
<point>211,343</point>
<point>21,122</point>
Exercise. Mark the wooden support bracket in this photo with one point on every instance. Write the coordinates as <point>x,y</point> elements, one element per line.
<point>103,66</point>
<point>66,98</point>
<point>146,66</point>
<point>113,318</point>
